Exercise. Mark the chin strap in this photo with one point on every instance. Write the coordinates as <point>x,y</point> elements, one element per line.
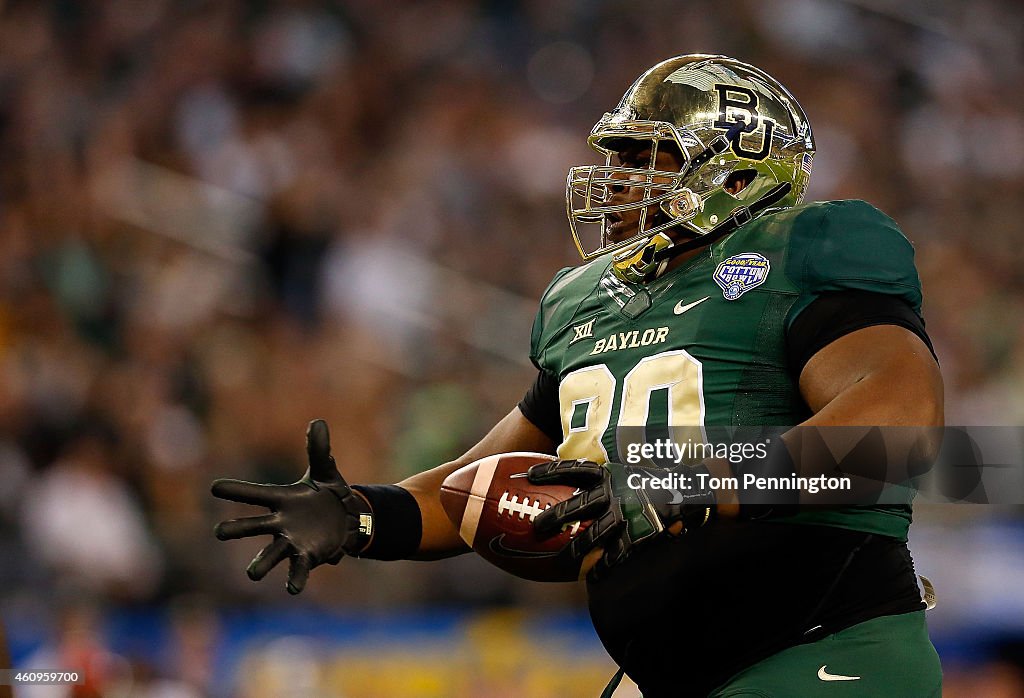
<point>741,216</point>
<point>718,145</point>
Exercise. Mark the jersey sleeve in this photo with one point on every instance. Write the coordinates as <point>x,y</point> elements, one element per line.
<point>542,322</point>
<point>854,247</point>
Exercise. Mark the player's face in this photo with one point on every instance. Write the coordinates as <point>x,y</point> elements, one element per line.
<point>625,224</point>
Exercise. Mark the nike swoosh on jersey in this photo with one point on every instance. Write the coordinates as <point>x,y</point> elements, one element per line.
<point>825,676</point>
<point>680,308</point>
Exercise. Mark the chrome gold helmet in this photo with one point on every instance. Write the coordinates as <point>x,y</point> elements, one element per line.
<point>724,120</point>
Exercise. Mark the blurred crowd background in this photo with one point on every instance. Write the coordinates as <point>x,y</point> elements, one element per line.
<point>221,219</point>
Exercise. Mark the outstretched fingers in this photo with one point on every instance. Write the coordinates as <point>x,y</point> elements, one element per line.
<point>249,526</point>
<point>268,558</point>
<point>248,492</point>
<point>318,449</point>
<point>298,573</point>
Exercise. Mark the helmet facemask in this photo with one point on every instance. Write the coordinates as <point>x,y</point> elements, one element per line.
<point>664,203</point>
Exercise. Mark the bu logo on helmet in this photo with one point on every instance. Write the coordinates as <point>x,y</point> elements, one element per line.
<point>740,273</point>
<point>736,101</point>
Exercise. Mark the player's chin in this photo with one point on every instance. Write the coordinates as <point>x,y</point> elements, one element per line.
<point>618,231</point>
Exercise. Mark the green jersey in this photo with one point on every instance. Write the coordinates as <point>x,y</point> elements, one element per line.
<point>705,344</point>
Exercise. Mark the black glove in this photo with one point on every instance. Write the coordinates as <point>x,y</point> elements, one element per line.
<point>624,508</point>
<point>315,520</point>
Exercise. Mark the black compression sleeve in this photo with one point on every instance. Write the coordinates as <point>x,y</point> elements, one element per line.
<point>540,405</point>
<point>397,524</point>
<point>839,313</point>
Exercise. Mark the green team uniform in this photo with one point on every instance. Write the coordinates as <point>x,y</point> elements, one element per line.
<point>625,357</point>
<point>885,656</point>
<point>705,344</point>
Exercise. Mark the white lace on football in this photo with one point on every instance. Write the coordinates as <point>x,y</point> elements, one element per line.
<point>511,506</point>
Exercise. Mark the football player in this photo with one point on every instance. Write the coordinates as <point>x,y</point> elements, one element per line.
<point>710,297</point>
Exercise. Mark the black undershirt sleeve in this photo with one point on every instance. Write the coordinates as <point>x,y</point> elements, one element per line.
<point>540,405</point>
<point>838,313</point>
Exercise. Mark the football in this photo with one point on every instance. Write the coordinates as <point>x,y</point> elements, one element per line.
<point>493,505</point>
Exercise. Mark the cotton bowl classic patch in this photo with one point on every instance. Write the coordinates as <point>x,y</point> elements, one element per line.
<point>740,273</point>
